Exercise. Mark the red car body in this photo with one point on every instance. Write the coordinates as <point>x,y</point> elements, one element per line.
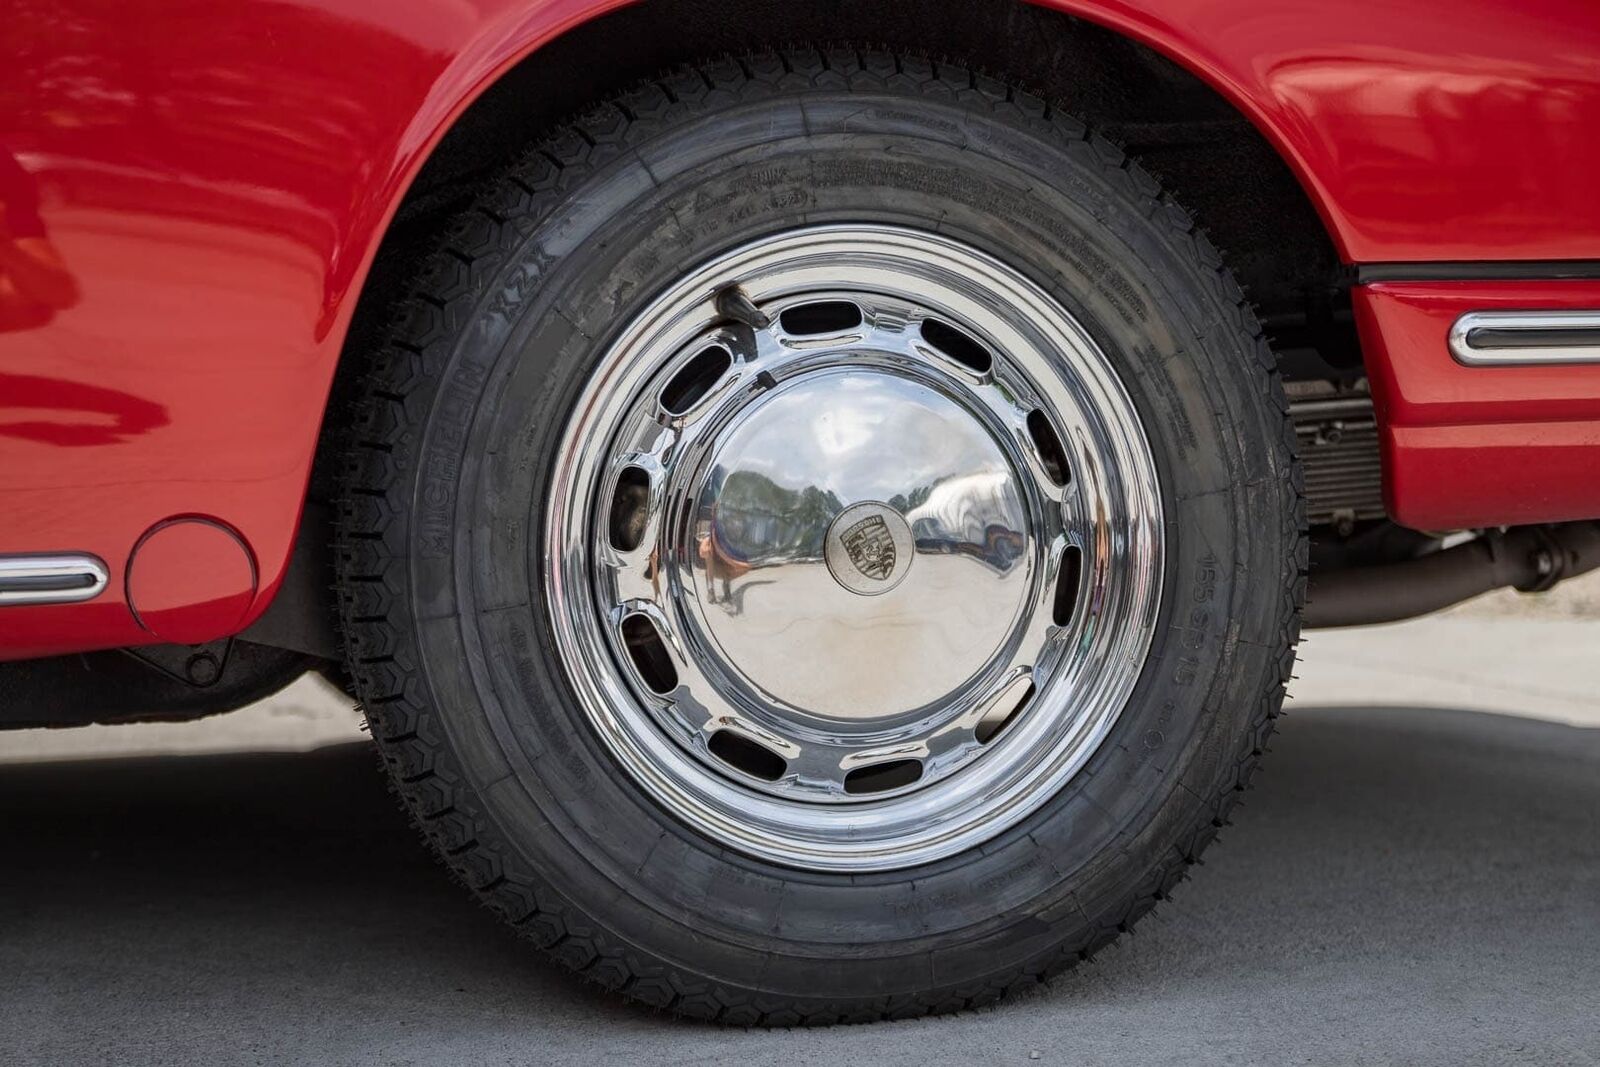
<point>218,190</point>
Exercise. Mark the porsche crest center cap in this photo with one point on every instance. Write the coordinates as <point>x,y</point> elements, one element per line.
<point>869,548</point>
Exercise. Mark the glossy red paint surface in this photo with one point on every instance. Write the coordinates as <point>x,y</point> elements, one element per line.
<point>1478,446</point>
<point>211,182</point>
<point>215,178</point>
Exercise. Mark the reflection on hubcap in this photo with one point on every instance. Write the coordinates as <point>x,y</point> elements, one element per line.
<point>854,548</point>
<point>805,528</point>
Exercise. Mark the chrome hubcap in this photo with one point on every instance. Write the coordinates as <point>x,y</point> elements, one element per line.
<point>851,506</point>
<point>854,548</point>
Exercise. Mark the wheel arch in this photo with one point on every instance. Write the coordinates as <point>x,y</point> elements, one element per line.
<point>1136,73</point>
<point>1141,80</point>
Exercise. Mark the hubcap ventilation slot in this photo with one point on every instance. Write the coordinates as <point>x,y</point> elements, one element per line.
<point>694,380</point>
<point>1067,585</point>
<point>1048,445</point>
<point>881,777</point>
<point>751,757</point>
<point>630,509</point>
<point>820,317</point>
<point>649,653</point>
<point>957,345</point>
<point>990,726</point>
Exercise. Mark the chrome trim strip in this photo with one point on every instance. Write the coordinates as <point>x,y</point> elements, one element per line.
<point>54,579</point>
<point>1549,337</point>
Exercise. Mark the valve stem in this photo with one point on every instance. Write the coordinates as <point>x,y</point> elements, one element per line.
<point>732,302</point>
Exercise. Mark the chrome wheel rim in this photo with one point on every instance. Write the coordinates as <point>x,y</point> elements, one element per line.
<point>854,548</point>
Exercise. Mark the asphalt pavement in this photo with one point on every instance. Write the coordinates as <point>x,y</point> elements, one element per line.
<point>1407,884</point>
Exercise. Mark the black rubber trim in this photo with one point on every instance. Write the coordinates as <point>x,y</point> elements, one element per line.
<point>45,583</point>
<point>1490,338</point>
<point>1499,271</point>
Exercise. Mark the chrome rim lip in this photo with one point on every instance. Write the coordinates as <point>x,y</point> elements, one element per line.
<point>1093,663</point>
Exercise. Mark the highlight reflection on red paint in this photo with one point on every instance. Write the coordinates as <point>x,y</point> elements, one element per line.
<point>73,414</point>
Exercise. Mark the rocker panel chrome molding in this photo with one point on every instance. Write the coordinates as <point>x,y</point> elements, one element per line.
<point>1523,338</point>
<point>51,579</point>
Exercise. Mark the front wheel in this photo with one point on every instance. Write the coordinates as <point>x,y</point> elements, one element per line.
<point>822,542</point>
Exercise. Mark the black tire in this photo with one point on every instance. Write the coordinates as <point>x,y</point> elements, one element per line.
<point>444,486</point>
